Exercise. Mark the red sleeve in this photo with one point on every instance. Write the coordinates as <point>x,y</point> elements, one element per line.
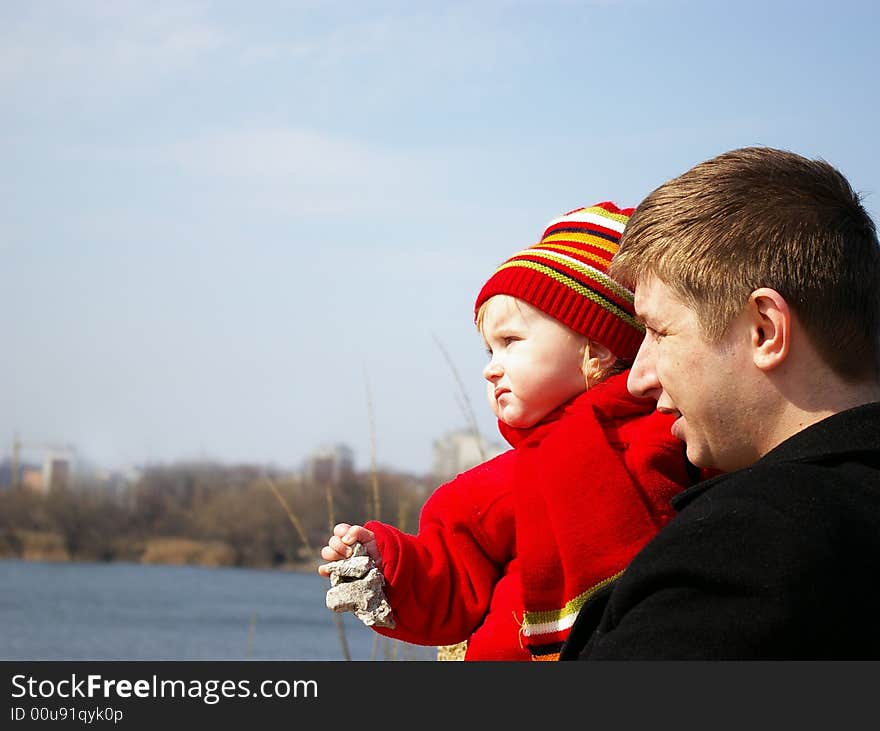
<point>440,581</point>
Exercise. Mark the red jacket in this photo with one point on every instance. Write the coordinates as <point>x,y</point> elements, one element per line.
<point>508,551</point>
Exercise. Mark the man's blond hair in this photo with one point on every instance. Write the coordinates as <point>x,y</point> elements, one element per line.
<point>763,217</point>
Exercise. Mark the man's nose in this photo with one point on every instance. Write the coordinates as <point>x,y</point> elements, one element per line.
<point>642,380</point>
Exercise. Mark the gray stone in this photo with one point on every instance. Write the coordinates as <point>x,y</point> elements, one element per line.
<point>356,567</point>
<point>356,586</point>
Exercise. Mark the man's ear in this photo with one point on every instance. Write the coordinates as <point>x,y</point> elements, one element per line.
<point>770,328</point>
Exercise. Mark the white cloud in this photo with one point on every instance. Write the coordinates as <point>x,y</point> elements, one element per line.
<point>110,43</point>
<point>103,42</point>
<point>287,169</point>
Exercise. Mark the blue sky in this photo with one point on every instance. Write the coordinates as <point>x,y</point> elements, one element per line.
<point>226,223</point>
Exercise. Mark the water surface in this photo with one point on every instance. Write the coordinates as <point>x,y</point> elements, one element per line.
<point>124,611</point>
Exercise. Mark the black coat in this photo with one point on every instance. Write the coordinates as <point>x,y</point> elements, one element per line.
<point>780,560</point>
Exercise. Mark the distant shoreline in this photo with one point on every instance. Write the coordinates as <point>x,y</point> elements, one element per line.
<point>50,547</point>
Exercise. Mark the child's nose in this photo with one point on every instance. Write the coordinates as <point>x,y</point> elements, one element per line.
<point>492,371</point>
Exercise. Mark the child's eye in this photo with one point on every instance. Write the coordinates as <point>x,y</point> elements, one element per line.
<point>504,341</point>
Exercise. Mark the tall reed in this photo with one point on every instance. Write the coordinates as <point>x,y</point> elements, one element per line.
<point>464,402</point>
<point>373,510</point>
<point>373,506</point>
<point>456,652</point>
<point>337,619</point>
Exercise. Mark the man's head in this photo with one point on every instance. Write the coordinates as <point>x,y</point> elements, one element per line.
<point>761,217</point>
<point>757,276</point>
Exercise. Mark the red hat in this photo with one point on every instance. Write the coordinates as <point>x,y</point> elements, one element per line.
<point>565,275</point>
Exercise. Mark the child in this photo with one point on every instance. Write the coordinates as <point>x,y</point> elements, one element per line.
<point>508,551</point>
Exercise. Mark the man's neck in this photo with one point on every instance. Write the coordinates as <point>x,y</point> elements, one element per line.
<point>830,397</point>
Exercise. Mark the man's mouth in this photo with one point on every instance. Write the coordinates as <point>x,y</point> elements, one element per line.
<point>677,427</point>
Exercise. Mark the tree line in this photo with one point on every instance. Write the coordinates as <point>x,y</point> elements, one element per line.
<point>203,513</point>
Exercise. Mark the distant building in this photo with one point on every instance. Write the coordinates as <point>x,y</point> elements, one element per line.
<point>58,465</point>
<point>115,482</point>
<point>31,478</point>
<point>459,450</point>
<point>54,468</point>
<point>329,464</point>
<point>112,482</point>
<point>57,470</point>
<point>5,474</point>
<point>21,474</point>
<point>46,467</point>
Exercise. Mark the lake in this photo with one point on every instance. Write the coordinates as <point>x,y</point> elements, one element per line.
<point>124,611</point>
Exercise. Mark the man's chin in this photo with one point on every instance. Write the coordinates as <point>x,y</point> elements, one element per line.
<point>699,458</point>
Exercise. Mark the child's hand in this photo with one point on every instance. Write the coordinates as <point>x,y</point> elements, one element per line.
<point>344,537</point>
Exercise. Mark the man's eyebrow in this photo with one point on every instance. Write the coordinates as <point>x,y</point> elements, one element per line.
<point>641,317</point>
<point>651,322</point>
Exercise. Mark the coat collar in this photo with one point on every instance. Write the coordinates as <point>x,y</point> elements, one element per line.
<point>848,432</point>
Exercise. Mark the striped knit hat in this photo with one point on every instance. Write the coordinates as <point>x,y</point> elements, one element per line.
<point>565,275</point>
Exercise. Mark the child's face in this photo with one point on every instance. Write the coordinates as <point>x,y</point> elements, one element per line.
<point>535,361</point>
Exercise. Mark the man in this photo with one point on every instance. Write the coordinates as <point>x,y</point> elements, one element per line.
<point>757,276</point>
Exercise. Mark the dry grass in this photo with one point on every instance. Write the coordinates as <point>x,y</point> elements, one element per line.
<point>32,545</point>
<point>184,551</point>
